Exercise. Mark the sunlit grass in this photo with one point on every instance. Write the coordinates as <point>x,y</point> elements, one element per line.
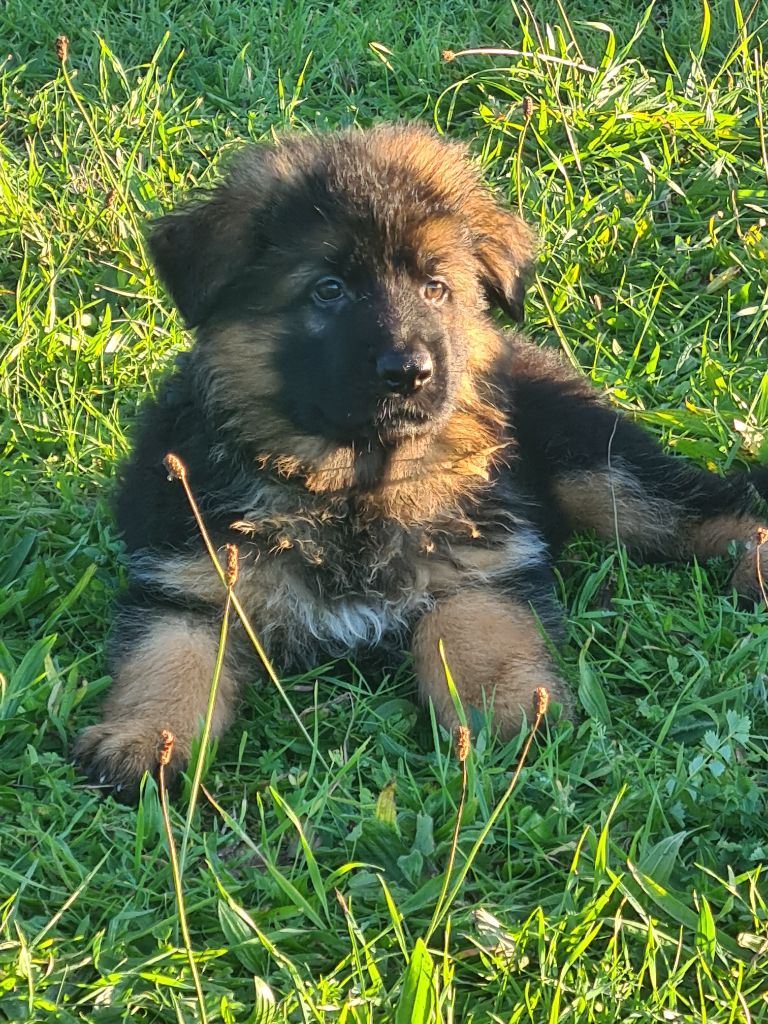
<point>622,880</point>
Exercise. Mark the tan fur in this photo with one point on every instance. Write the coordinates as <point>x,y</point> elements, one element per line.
<point>460,563</point>
<point>450,567</point>
<point>194,577</point>
<point>433,242</point>
<point>424,157</point>
<point>484,349</point>
<point>614,506</point>
<point>496,655</point>
<point>439,568</point>
<point>750,577</point>
<point>429,476</point>
<point>163,683</point>
<point>426,476</point>
<point>712,538</point>
<point>435,249</point>
<point>191,575</point>
<point>447,571</point>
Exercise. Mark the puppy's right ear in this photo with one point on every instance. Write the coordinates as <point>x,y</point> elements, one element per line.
<point>200,248</point>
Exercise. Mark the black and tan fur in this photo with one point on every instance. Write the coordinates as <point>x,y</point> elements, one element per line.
<point>372,512</point>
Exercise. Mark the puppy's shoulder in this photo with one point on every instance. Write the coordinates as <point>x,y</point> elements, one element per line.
<point>524,360</point>
<point>150,510</point>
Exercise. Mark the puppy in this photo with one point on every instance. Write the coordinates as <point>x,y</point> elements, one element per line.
<point>393,467</point>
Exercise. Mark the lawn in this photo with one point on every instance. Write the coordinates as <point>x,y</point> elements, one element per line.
<point>621,879</point>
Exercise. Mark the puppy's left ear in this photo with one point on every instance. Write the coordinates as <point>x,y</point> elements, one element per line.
<point>506,248</point>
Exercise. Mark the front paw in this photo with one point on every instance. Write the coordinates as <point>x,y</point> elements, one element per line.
<point>750,577</point>
<point>115,755</point>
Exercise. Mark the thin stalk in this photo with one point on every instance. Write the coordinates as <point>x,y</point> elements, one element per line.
<point>165,757</point>
<point>462,752</point>
<point>206,733</point>
<point>762,541</point>
<point>177,469</point>
<point>498,51</point>
<point>542,703</point>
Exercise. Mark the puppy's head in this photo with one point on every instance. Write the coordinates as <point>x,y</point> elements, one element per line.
<point>341,285</point>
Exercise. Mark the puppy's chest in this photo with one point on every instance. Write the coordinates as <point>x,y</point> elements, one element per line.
<point>341,583</point>
<point>337,559</point>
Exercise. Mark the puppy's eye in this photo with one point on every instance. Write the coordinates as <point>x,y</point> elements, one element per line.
<point>435,291</point>
<point>329,289</point>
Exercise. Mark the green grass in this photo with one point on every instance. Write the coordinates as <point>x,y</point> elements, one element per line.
<point>622,880</point>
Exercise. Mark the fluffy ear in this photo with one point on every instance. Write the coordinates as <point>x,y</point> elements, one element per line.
<point>200,247</point>
<point>506,247</point>
<point>196,250</point>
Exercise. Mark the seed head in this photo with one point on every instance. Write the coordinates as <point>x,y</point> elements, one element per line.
<point>527,108</point>
<point>232,570</point>
<point>109,198</point>
<point>448,56</point>
<point>61,46</point>
<point>167,739</point>
<point>762,535</point>
<point>176,468</point>
<point>541,700</point>
<point>463,743</point>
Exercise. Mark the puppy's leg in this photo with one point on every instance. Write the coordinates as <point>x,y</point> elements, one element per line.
<point>603,473</point>
<point>162,681</point>
<point>496,653</point>
<point>682,512</point>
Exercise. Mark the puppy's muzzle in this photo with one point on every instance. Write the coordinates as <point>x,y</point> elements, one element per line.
<point>403,373</point>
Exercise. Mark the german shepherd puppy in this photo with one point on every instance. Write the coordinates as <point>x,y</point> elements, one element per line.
<point>393,467</point>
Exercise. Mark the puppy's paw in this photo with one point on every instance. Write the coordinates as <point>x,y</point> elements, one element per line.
<point>750,577</point>
<point>114,756</point>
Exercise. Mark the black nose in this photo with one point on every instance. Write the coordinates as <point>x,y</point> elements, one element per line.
<point>402,373</point>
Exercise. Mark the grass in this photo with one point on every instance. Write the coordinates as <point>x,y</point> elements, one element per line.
<point>623,878</point>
